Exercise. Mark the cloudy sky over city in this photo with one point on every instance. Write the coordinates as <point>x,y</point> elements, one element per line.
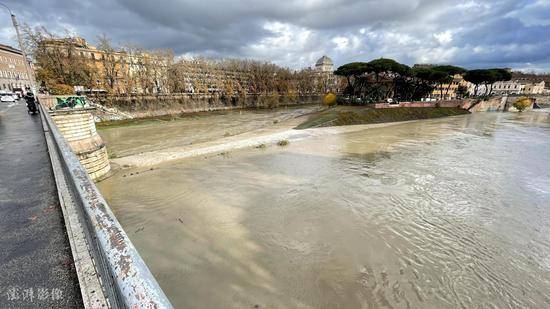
<point>294,33</point>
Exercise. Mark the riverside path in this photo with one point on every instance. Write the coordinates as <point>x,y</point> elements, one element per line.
<point>36,263</point>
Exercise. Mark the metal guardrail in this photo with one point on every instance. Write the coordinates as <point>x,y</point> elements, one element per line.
<point>125,277</point>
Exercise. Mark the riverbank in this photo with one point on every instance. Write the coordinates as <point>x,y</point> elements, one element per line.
<point>353,115</point>
<point>132,137</point>
<point>155,141</point>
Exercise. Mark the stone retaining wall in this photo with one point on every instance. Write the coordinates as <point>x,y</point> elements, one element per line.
<point>174,104</point>
<point>444,103</point>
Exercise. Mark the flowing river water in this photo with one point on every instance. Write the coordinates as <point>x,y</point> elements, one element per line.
<point>442,213</point>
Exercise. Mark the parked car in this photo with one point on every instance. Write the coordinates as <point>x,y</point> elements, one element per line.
<point>393,101</point>
<point>7,98</point>
<point>18,92</point>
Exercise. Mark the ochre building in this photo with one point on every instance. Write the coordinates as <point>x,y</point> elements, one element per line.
<point>12,69</point>
<point>116,71</point>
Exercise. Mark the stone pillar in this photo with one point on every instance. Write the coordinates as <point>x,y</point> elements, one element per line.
<point>78,128</point>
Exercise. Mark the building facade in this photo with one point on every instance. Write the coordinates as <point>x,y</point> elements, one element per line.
<point>116,71</point>
<point>535,88</point>
<point>12,69</point>
<point>512,87</point>
<point>324,72</point>
<point>324,65</point>
<point>210,76</point>
<point>450,91</point>
<point>508,87</point>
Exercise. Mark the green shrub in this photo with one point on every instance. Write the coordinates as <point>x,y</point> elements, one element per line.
<point>522,103</point>
<point>329,99</point>
<point>283,142</point>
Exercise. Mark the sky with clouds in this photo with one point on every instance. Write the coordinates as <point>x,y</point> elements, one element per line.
<point>294,33</point>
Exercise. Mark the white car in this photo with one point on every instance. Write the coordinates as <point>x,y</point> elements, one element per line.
<point>7,98</point>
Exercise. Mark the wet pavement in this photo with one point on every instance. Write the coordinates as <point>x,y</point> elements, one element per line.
<point>36,264</point>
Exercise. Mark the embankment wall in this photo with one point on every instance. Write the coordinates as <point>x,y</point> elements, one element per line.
<point>122,107</point>
<point>444,103</point>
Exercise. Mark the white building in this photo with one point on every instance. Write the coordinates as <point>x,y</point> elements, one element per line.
<point>535,88</point>
<point>324,64</point>
<point>509,88</point>
<point>326,81</point>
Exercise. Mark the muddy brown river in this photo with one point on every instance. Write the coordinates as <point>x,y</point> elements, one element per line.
<point>444,213</point>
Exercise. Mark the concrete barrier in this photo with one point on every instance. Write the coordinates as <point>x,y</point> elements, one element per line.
<point>125,280</point>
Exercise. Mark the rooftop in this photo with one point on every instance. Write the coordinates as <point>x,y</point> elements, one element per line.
<point>10,49</point>
<point>324,61</point>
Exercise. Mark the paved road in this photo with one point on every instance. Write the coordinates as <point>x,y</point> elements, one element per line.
<point>36,265</point>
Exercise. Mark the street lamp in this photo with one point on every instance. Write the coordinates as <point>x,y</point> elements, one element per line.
<point>22,47</point>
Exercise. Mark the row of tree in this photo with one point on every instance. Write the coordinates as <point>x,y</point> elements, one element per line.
<point>61,64</point>
<point>238,76</point>
<point>386,78</point>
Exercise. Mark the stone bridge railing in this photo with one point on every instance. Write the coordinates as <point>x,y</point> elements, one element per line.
<point>111,272</point>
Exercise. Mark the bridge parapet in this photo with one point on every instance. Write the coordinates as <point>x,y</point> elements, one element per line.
<point>126,281</point>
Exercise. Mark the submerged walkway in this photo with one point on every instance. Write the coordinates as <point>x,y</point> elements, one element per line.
<point>36,263</point>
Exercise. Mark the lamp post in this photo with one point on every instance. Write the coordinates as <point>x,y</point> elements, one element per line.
<point>30,74</point>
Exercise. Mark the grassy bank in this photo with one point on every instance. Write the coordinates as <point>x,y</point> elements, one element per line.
<point>350,115</point>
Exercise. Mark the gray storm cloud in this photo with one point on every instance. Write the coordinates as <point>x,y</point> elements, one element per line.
<point>472,33</point>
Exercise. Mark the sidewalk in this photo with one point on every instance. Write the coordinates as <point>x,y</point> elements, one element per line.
<point>36,265</point>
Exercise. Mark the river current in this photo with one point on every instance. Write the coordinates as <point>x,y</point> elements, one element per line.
<point>442,213</point>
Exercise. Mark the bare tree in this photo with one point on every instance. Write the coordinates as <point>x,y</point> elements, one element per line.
<point>112,63</point>
<point>59,65</point>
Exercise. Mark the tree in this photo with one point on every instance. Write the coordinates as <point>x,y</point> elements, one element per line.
<point>522,103</point>
<point>111,65</point>
<point>375,80</point>
<point>57,62</point>
<point>387,66</point>
<point>424,81</point>
<point>389,69</point>
<point>440,77</point>
<point>462,91</point>
<point>450,71</point>
<point>478,77</point>
<point>329,99</point>
<point>351,72</point>
<point>499,75</point>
